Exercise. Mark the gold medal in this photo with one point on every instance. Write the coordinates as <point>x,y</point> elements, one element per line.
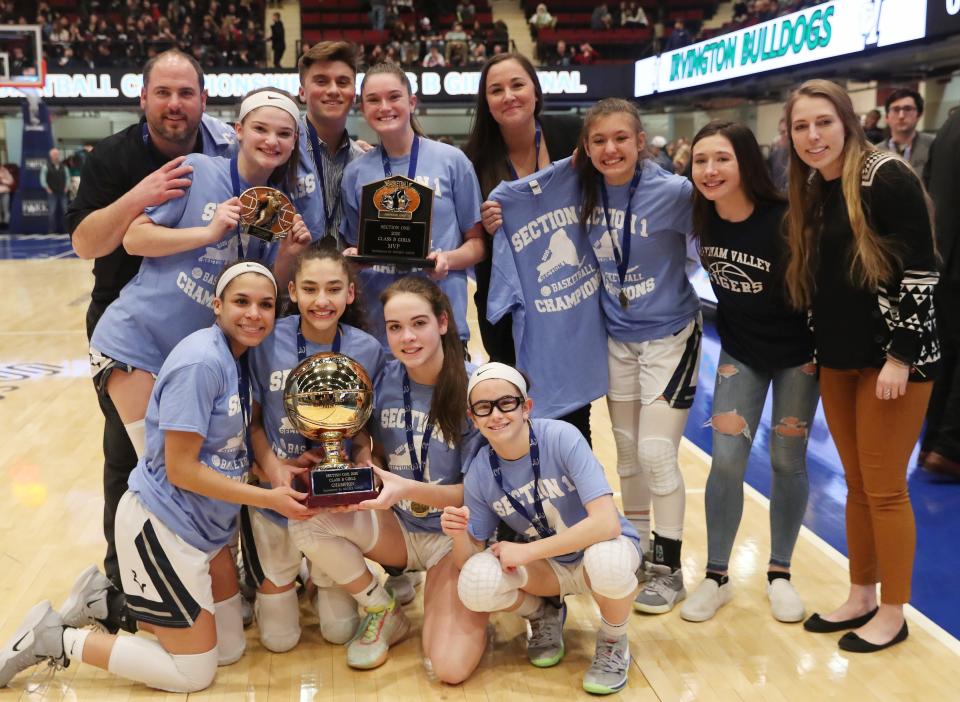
<point>418,509</point>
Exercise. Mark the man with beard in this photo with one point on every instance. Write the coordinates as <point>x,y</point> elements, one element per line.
<point>135,168</point>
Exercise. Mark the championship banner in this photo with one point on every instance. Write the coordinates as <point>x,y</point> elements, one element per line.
<point>825,31</point>
<point>122,88</point>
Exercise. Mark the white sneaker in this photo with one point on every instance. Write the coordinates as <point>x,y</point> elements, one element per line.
<point>785,602</point>
<point>706,600</point>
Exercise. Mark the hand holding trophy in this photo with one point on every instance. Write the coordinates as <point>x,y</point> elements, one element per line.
<point>329,398</point>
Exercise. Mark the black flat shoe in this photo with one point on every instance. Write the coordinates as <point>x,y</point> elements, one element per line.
<point>818,625</point>
<point>853,643</point>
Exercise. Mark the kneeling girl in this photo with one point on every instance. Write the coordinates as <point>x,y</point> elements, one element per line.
<point>541,478</point>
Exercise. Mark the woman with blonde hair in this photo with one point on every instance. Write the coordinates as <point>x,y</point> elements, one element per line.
<point>862,261</point>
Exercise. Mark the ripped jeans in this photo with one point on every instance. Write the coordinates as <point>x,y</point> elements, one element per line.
<point>738,399</point>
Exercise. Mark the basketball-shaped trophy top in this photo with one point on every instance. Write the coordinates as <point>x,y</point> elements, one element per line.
<point>328,392</point>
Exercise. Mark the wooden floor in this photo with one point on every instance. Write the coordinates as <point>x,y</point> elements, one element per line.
<point>50,528</point>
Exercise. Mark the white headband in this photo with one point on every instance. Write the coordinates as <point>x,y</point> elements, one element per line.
<point>497,371</point>
<point>269,98</point>
<point>240,269</point>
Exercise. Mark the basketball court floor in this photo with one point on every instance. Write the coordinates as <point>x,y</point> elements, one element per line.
<point>50,529</point>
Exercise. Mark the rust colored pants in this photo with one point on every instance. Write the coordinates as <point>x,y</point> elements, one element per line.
<point>875,438</point>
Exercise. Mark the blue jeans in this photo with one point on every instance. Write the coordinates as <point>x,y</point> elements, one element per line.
<point>378,17</point>
<point>55,218</point>
<point>738,399</point>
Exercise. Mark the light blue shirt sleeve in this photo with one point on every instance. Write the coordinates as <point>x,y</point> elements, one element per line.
<point>351,205</point>
<point>466,194</point>
<point>169,213</point>
<point>483,520</point>
<point>187,399</point>
<point>506,292</point>
<point>582,466</point>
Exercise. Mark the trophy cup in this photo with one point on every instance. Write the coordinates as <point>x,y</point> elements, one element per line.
<point>328,398</point>
<point>395,217</point>
<point>266,213</point>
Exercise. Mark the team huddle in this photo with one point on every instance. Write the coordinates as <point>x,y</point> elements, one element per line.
<point>487,481</point>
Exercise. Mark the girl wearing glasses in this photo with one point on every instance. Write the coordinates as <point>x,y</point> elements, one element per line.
<point>541,478</point>
<point>422,441</point>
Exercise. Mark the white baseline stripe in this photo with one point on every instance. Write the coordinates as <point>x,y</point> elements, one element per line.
<point>915,615</point>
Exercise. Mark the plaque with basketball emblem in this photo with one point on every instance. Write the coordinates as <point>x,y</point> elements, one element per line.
<point>395,217</point>
<point>266,213</point>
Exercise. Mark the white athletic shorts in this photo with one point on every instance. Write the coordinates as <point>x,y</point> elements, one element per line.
<point>424,549</point>
<point>572,577</point>
<point>166,580</point>
<point>664,367</point>
<point>269,552</point>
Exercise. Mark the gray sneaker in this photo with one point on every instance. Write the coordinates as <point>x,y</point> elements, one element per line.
<point>611,663</point>
<point>86,604</point>
<point>662,590</point>
<point>39,638</point>
<point>545,635</point>
<point>404,586</point>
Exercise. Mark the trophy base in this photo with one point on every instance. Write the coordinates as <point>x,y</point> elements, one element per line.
<point>338,484</point>
<point>262,234</point>
<point>411,261</point>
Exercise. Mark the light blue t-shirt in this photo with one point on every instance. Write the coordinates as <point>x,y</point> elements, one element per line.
<point>570,477</point>
<point>456,208</point>
<point>272,361</point>
<point>172,296</point>
<point>546,277</point>
<point>445,461</point>
<point>661,300</point>
<point>197,391</point>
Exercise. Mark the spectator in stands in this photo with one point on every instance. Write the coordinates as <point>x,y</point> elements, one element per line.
<point>456,43</point>
<point>871,121</point>
<point>434,59</point>
<point>53,179</point>
<point>278,40</point>
<point>765,9</point>
<point>779,158</point>
<point>681,160</point>
<point>542,19</point>
<point>904,110</point>
<point>586,56</point>
<point>500,36</point>
<point>679,38</point>
<point>6,187</point>
<point>378,14</point>
<point>478,56</point>
<point>658,148</point>
<point>562,56</point>
<point>741,12</point>
<point>632,15</point>
<point>467,14</point>
<point>601,18</point>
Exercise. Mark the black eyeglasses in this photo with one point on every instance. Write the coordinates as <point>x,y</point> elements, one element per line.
<point>507,403</point>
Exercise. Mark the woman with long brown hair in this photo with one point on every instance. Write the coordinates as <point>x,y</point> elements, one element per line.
<point>862,260</point>
<point>510,138</point>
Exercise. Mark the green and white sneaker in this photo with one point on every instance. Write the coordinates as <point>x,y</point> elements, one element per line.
<point>39,639</point>
<point>380,629</point>
<point>611,664</point>
<point>545,635</point>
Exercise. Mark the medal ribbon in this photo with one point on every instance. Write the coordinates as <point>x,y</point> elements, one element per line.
<point>537,136</point>
<point>539,519</point>
<point>622,258</point>
<point>414,155</point>
<point>418,466</point>
<point>318,162</point>
<point>243,390</point>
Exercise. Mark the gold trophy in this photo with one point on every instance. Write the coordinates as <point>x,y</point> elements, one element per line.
<point>328,398</point>
<point>266,213</point>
